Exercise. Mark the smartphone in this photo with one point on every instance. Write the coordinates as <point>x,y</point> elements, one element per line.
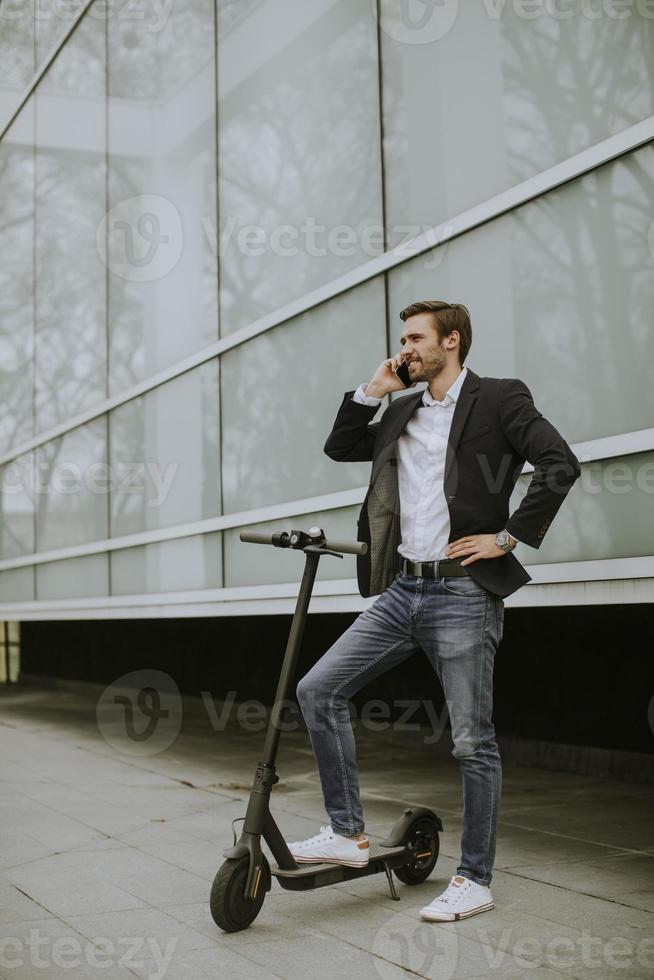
<point>403,374</point>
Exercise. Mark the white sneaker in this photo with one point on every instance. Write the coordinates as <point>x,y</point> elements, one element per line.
<point>461,898</point>
<point>331,848</point>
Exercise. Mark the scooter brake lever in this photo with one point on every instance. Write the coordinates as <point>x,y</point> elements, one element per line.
<point>235,820</point>
<point>322,551</point>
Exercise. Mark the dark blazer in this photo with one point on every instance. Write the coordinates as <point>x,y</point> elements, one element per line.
<point>495,428</point>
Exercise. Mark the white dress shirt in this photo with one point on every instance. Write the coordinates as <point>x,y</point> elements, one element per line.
<point>424,515</point>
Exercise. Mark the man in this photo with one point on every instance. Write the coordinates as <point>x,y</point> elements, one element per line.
<point>440,539</point>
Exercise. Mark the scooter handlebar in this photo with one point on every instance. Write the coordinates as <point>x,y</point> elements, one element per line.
<point>281,539</point>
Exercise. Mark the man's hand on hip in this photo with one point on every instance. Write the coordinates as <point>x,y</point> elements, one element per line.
<point>474,546</point>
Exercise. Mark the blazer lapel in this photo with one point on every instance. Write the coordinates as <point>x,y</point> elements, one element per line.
<point>405,409</point>
<point>465,401</point>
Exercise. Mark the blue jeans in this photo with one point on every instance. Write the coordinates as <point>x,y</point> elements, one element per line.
<point>458,624</point>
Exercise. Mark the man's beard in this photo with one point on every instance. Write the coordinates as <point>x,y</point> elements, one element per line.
<point>432,370</point>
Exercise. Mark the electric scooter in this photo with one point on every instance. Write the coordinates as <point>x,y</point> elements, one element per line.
<point>239,888</point>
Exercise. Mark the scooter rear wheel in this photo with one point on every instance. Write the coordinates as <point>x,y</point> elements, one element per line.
<point>230,909</point>
<point>423,835</point>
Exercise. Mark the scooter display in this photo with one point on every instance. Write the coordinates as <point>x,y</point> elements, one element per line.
<point>239,888</point>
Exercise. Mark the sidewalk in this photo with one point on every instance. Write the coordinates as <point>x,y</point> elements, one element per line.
<point>107,860</point>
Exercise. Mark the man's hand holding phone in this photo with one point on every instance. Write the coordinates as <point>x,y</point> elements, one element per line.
<point>391,375</point>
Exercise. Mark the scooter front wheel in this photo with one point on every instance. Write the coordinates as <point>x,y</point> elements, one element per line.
<point>231,910</point>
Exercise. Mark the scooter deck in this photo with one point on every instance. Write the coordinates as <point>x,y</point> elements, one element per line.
<point>378,853</point>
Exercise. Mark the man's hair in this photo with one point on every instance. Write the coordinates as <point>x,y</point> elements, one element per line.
<point>446,317</point>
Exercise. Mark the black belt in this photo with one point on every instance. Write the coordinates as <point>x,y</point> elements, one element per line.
<point>433,569</point>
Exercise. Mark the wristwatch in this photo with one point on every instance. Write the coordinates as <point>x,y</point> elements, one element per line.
<point>502,540</point>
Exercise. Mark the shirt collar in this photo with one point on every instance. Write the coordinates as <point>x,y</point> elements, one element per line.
<point>451,395</point>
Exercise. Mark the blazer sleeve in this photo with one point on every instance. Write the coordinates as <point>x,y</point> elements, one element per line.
<point>555,465</point>
<point>352,439</point>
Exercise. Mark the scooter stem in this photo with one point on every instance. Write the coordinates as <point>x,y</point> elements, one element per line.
<point>291,656</point>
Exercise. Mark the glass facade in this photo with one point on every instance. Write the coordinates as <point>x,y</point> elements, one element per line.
<point>561,295</point>
<point>195,208</point>
<point>17,281</point>
<point>299,151</point>
<point>70,359</point>
<point>17,58</point>
<point>161,191</point>
<point>280,394</point>
<point>164,455</point>
<point>168,566</point>
<point>498,99</point>
<point>609,516</point>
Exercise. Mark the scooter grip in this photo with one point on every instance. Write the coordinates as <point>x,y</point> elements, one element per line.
<point>257,537</point>
<point>348,547</point>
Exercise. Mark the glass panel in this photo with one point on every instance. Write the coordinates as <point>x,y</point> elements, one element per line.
<point>86,58</point>
<point>280,395</point>
<point>479,96</point>
<point>257,564</point>
<point>17,280</point>
<point>16,53</point>
<point>162,195</point>
<point>53,20</point>
<point>17,585</point>
<point>168,566</point>
<point>164,454</point>
<point>607,514</point>
<point>17,507</point>
<point>70,205</point>
<point>299,143</point>
<point>73,578</point>
<point>71,488</point>
<point>560,293</point>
